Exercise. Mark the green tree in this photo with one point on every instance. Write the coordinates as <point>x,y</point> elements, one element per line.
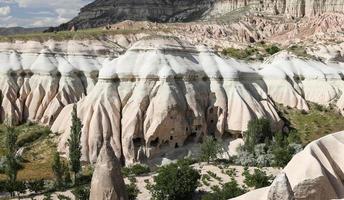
<point>175,182</point>
<point>11,164</point>
<point>74,144</point>
<point>210,148</point>
<point>58,169</point>
<point>258,131</point>
<point>281,150</point>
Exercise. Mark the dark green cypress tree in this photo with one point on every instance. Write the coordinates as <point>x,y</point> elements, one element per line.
<point>58,169</point>
<point>74,144</point>
<point>12,166</point>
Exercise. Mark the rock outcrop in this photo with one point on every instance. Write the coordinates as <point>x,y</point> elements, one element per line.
<point>316,173</point>
<point>164,93</point>
<point>39,79</point>
<point>293,81</point>
<point>107,181</point>
<point>103,12</point>
<point>161,94</point>
<point>281,189</point>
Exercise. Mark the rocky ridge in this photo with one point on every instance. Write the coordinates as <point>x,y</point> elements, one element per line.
<point>103,12</point>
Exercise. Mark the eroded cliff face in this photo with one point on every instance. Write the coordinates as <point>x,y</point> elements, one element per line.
<point>161,94</point>
<point>103,12</point>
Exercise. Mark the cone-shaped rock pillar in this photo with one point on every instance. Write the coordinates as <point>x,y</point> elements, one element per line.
<point>107,181</point>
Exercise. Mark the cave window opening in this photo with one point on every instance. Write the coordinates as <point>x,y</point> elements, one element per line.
<point>211,110</point>
<point>154,143</point>
<point>137,142</point>
<point>176,146</point>
<point>171,137</point>
<point>190,138</point>
<point>212,121</point>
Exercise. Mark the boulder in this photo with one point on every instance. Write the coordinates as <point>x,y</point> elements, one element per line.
<point>281,189</point>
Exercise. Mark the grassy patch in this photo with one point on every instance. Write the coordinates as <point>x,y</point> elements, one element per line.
<point>95,33</point>
<point>259,51</point>
<point>299,51</point>
<point>318,122</point>
<point>38,153</point>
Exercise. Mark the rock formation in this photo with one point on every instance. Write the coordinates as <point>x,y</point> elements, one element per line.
<point>292,81</point>
<point>103,12</point>
<point>193,91</point>
<point>281,189</point>
<point>38,79</point>
<point>107,181</point>
<point>164,93</point>
<point>316,173</point>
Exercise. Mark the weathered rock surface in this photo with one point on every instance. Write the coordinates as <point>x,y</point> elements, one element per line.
<point>103,12</point>
<point>316,173</point>
<point>164,93</point>
<point>107,181</point>
<point>161,94</point>
<point>39,79</point>
<point>281,189</point>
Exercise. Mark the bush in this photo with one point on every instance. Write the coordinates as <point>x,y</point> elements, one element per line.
<point>240,53</point>
<point>258,131</point>
<point>81,193</point>
<point>210,148</point>
<point>230,190</point>
<point>258,179</point>
<point>282,151</point>
<point>35,186</point>
<point>132,191</point>
<point>186,161</point>
<point>135,170</point>
<point>272,49</point>
<point>175,182</point>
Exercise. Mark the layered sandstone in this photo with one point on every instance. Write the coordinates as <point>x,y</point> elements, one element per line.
<point>161,94</point>
<point>164,93</point>
<point>39,79</point>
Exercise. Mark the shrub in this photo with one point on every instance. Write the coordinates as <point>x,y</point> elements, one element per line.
<point>35,186</point>
<point>282,151</point>
<point>210,148</point>
<point>132,191</point>
<point>272,49</point>
<point>63,197</point>
<point>186,161</point>
<point>230,190</point>
<point>47,196</point>
<point>81,193</point>
<point>258,179</point>
<point>175,182</point>
<point>258,131</point>
<point>240,53</point>
<point>135,170</point>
